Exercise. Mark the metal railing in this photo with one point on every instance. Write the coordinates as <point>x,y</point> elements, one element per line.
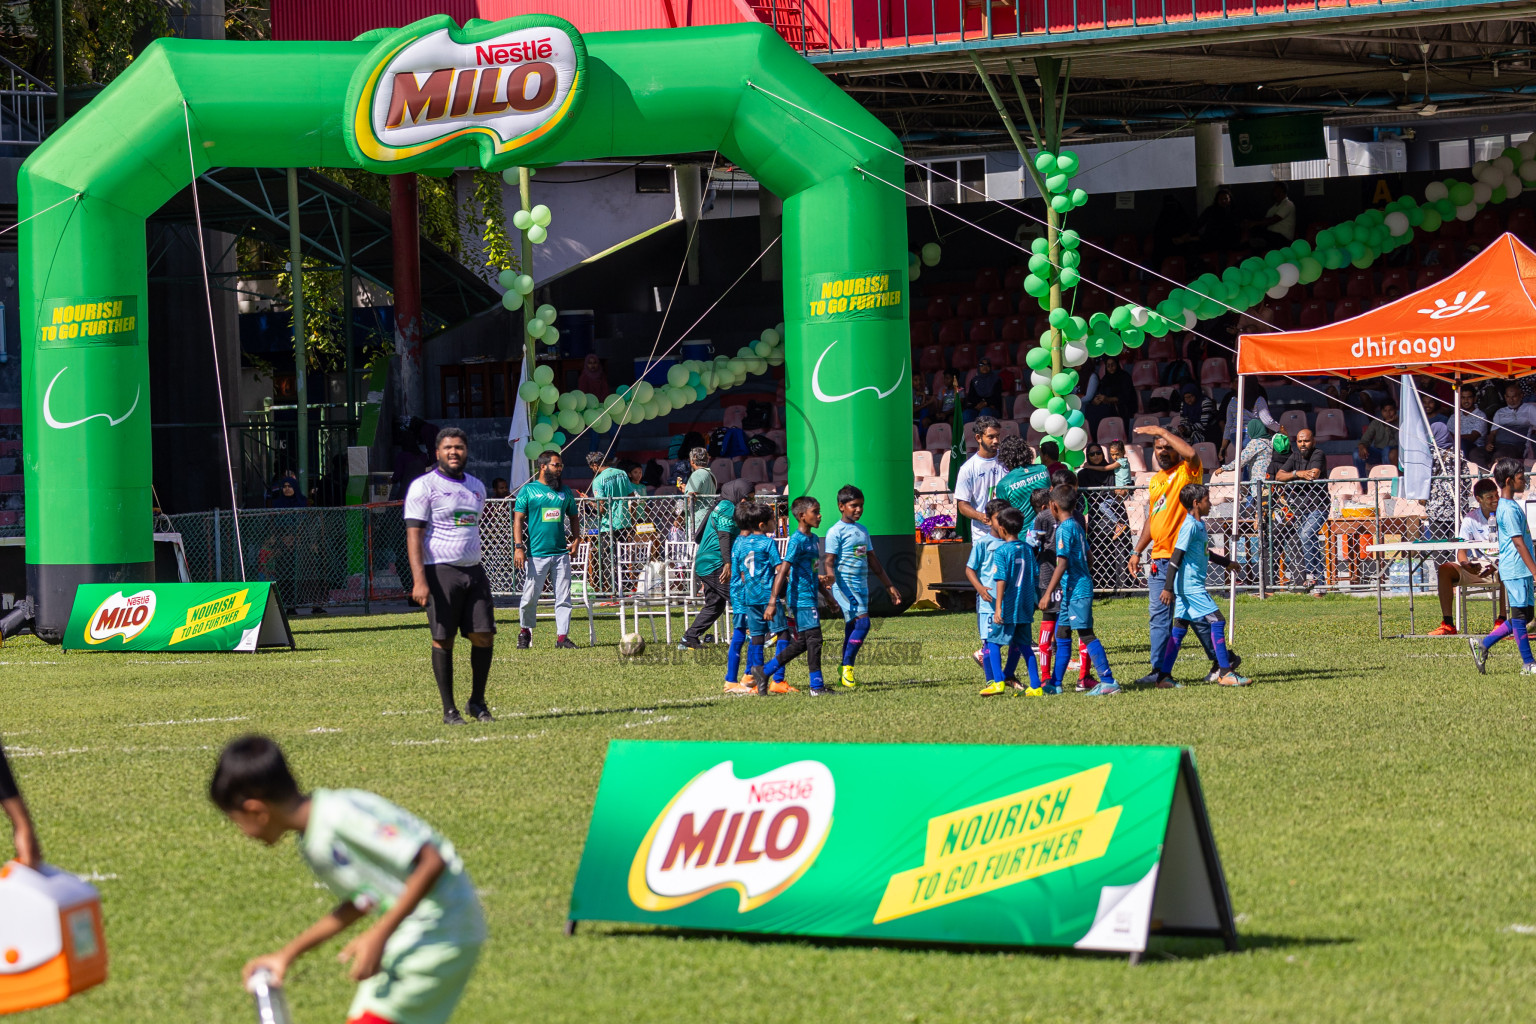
<point>23,107</point>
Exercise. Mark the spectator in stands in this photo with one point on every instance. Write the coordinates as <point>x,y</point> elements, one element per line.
<point>1050,457</point>
<point>499,488</point>
<point>1216,230</point>
<point>922,402</point>
<point>1109,524</point>
<point>287,494</point>
<point>1109,393</point>
<point>1254,459</point>
<point>1517,420</point>
<point>940,405</point>
<point>1277,227</point>
<point>977,482</point>
<point>1196,409</point>
<point>984,396</point>
<point>1477,527</point>
<point>1121,465</point>
<point>681,468</point>
<point>1257,400</point>
<point>1169,228</point>
<point>1378,444</point>
<point>1308,500</point>
<point>593,378</point>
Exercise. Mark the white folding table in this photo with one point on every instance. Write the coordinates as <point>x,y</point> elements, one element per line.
<point>1423,550</point>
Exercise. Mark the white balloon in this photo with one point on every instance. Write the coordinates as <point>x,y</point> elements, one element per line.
<point>1396,222</point>
<point>1528,171</point>
<point>1436,191</point>
<point>1490,175</point>
<point>1037,419</point>
<point>1290,273</point>
<point>1140,315</point>
<point>1478,168</point>
<point>1504,164</point>
<point>1190,320</point>
<point>1036,378</point>
<point>1278,291</point>
<point>1056,424</point>
<point>1513,186</point>
<point>1074,354</point>
<point>1466,212</point>
<point>1527,148</point>
<point>1482,192</point>
<point>1073,402</point>
<point>1075,439</point>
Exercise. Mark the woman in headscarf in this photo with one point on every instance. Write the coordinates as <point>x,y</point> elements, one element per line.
<point>592,377</point>
<point>737,491</point>
<point>1255,457</point>
<point>1256,399</point>
<point>1109,393</point>
<point>1196,409</point>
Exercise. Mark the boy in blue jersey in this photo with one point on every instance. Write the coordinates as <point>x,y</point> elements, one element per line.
<point>795,592</point>
<point>850,558</point>
<point>1010,572</point>
<point>754,558</point>
<point>1516,568</point>
<point>1076,583</point>
<point>981,545</point>
<point>745,519</point>
<point>1184,587</point>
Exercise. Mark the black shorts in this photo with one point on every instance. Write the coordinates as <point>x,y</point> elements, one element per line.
<point>459,601</point>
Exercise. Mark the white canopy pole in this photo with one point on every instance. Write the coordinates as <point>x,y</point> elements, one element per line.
<point>1239,425</point>
<point>1456,477</point>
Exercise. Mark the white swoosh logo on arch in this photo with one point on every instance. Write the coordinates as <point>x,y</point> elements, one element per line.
<point>816,380</point>
<point>58,424</point>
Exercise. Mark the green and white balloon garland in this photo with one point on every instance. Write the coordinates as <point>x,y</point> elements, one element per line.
<point>559,417</point>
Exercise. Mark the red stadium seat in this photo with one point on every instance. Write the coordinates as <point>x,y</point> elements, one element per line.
<point>1162,350</point>
<point>932,361</point>
<point>1487,225</point>
<point>982,333</point>
<point>938,308</point>
<point>1327,288</point>
<point>1522,222</point>
<point>1013,330</point>
<point>1128,246</point>
<point>1215,372</point>
<point>997,353</point>
<point>1111,428</point>
<point>922,333</point>
<point>1293,420</point>
<point>1314,313</point>
<point>1021,407</point>
<point>1110,273</point>
<point>999,304</point>
<point>938,437</point>
<point>1360,284</point>
<point>963,358</point>
<point>986,280</point>
<point>951,333</point>
<point>1013,280</point>
<point>1173,266</point>
<point>970,307</point>
<point>1428,276</point>
<point>1157,291</point>
<point>1144,374</point>
<point>1400,278</point>
<point>1346,308</point>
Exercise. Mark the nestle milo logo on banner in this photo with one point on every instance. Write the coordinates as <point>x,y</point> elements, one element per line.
<point>756,835</point>
<point>502,87</point>
<point>85,322</point>
<point>121,615</point>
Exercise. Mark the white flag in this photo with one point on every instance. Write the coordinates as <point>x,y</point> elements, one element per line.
<point>1414,444</point>
<point>518,436</point>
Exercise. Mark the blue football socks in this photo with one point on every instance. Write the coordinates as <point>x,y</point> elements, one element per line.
<point>1100,660</point>
<point>733,656</point>
<point>855,639</point>
<point>1219,641</point>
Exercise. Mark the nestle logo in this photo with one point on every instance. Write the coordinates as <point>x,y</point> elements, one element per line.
<point>515,53</point>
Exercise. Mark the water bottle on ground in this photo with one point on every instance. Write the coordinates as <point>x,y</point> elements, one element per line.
<point>271,1003</point>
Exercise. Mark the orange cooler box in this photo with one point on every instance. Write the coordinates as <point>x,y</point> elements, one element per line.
<point>51,941</point>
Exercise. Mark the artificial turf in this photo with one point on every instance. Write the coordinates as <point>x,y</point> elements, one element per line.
<point>1368,798</point>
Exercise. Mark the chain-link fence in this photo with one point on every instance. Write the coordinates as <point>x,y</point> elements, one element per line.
<point>1298,535</point>
<point>635,557</point>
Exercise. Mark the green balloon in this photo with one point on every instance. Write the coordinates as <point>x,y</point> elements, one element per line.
<point>1133,338</point>
<point>1308,270</point>
<point>1036,286</point>
<point>1362,262</point>
<point>1325,239</point>
<point>1045,162</point>
<point>1069,239</point>
<point>1158,326</point>
<point>570,420</point>
<point>1075,418</point>
<point>1037,359</point>
<point>1079,197</point>
<point>1070,258</point>
<point>1057,406</point>
<point>528,391</point>
<point>1056,182</point>
<point>544,374</point>
<point>1275,257</point>
<point>511,301</point>
<point>1061,204</point>
<point>1040,247</point>
<point>532,449</point>
<point>542,432</point>
<point>549,394</point>
<point>1058,316</point>
<point>1065,382</point>
<point>1039,395</point>
<point>1040,265</point>
<point>1499,195</point>
<point>1120,319</point>
<point>1113,345</point>
<point>1066,162</point>
<point>1344,233</point>
<point>1301,247</point>
<point>1074,459</point>
<point>1430,219</point>
<point>1075,328</point>
<point>1069,278</point>
<point>1461,194</point>
<point>1447,208</point>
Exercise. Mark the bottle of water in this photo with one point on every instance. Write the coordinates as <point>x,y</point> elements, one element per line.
<point>271,1004</point>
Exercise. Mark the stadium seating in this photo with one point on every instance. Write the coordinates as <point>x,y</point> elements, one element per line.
<point>754,469</point>
<point>932,360</point>
<point>733,415</point>
<point>939,436</point>
<point>1009,428</point>
<point>1021,407</point>
<point>963,358</point>
<point>1214,371</point>
<point>923,464</point>
<point>723,469</point>
<point>1293,420</point>
<point>1111,428</point>
<point>1144,374</point>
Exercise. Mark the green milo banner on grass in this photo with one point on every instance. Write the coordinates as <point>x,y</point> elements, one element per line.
<point>176,617</point>
<point>1092,847</point>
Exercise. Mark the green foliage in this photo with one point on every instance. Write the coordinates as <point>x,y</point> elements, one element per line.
<point>483,208</point>
<point>101,37</point>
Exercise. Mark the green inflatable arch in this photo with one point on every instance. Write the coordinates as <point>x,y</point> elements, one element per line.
<point>530,91</point>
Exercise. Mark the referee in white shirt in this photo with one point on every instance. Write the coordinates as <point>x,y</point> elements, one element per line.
<point>977,481</point>
<point>442,535</point>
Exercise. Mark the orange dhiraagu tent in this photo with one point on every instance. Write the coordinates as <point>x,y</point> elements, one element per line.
<point>1477,323</point>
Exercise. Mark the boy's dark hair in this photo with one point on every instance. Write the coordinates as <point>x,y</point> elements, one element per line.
<point>1010,520</point>
<point>446,433</point>
<point>802,505</point>
<point>251,768</point>
<point>985,423</point>
<point>747,515</point>
<point>545,457</point>
<point>995,506</point>
<point>1013,453</point>
<point>849,493</point>
<point>596,460</point>
<point>1062,475</point>
<point>1039,498</point>
<point>1191,493</point>
<point>1049,451</point>
<point>1064,496</point>
<point>765,516</point>
<point>1506,469</point>
<point>1483,486</point>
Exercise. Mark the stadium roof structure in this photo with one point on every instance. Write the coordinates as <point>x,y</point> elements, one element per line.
<point>1475,324</point>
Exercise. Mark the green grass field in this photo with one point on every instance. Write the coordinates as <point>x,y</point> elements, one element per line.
<point>1369,800</point>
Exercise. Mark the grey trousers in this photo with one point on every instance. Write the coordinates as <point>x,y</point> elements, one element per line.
<point>535,570</point>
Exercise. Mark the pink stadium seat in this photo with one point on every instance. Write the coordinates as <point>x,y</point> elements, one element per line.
<point>1314,313</point>
<point>1144,420</point>
<point>999,304</point>
<point>1347,307</point>
<point>917,442</point>
<point>1138,461</point>
<point>733,415</point>
<point>997,354</point>
<point>1327,288</point>
<point>1161,350</point>
<point>951,333</point>
<point>963,358</point>
<point>754,469</point>
<point>1021,407</point>
<point>1144,374</point>
<point>1214,371</point>
<point>1009,428</point>
<point>1360,284</point>
<point>1293,421</point>
<point>1343,483</point>
<point>944,461</point>
<point>723,470</point>
<point>1111,428</point>
<point>1014,278</point>
<point>933,360</point>
<point>1330,425</point>
<point>1173,266</point>
<point>1428,276</point>
<point>982,334</point>
<point>938,308</point>
<point>1210,458</point>
<point>939,436</point>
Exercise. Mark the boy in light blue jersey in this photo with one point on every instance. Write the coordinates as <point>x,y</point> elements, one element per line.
<point>796,590</point>
<point>744,518</point>
<point>1010,573</point>
<point>849,560</point>
<point>754,558</point>
<point>981,547</point>
<point>1076,583</point>
<point>413,963</point>
<point>1185,589</point>
<point>1516,569</point>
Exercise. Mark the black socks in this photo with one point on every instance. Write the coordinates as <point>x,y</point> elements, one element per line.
<point>479,672</point>
<point>442,669</point>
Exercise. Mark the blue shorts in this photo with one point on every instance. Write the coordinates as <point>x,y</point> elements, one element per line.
<point>753,621</point>
<point>1194,606</point>
<point>1518,591</point>
<point>1075,613</point>
<point>984,623</point>
<point>853,602</point>
<point>806,617</point>
<point>1016,634</point>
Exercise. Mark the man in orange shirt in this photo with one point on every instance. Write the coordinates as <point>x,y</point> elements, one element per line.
<point>1177,465</point>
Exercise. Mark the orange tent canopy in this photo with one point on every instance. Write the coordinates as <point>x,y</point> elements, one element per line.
<point>1477,323</point>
